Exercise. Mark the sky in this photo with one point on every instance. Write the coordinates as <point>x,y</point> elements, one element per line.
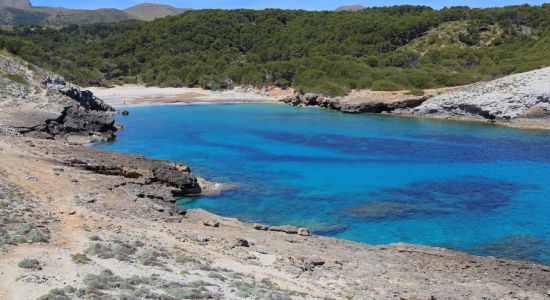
<point>286,4</point>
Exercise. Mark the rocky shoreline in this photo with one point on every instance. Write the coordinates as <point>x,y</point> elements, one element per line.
<point>520,100</point>
<point>83,215</point>
<point>78,222</point>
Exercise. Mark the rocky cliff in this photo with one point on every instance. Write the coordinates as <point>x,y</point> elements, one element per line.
<point>524,96</point>
<point>520,100</point>
<point>34,102</point>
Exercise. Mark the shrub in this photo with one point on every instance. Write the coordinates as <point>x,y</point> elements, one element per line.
<point>16,78</point>
<point>282,83</point>
<point>30,264</point>
<point>119,250</point>
<point>416,92</point>
<point>383,85</point>
<point>80,258</point>
<point>149,258</point>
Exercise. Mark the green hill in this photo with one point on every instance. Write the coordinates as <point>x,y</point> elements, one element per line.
<point>401,47</point>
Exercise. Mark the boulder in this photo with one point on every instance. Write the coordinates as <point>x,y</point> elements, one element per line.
<point>210,223</point>
<point>240,242</point>
<point>304,232</point>
<point>306,263</point>
<point>260,227</point>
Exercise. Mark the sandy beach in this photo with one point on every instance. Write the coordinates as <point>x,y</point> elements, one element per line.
<point>140,95</point>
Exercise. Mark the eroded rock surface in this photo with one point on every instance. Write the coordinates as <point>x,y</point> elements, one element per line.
<point>358,101</point>
<point>36,103</point>
<point>525,95</point>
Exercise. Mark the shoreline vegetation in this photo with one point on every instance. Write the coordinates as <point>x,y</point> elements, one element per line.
<point>328,52</point>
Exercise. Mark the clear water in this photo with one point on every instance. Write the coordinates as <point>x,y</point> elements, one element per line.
<point>375,179</point>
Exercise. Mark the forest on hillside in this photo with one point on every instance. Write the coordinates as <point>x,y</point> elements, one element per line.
<point>387,48</point>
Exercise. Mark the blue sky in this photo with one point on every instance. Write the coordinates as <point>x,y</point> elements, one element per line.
<point>294,4</point>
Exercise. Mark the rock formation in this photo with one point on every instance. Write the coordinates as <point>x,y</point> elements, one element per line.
<point>524,95</point>
<point>40,104</point>
<point>368,103</point>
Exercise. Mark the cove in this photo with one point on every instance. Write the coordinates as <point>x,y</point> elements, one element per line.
<point>367,178</point>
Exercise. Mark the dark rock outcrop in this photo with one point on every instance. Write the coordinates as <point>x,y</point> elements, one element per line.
<point>85,119</point>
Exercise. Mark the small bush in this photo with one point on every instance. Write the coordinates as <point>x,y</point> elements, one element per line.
<point>282,83</point>
<point>383,85</point>
<point>16,78</point>
<point>184,259</point>
<point>55,294</point>
<point>30,264</point>
<point>80,258</point>
<point>416,92</point>
<point>119,250</point>
<point>149,258</point>
<point>95,238</point>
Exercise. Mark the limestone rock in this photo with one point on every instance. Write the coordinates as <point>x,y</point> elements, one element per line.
<point>285,228</point>
<point>304,232</point>
<point>210,223</point>
<point>516,96</point>
<point>259,227</point>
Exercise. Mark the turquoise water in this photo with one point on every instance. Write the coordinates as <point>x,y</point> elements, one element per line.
<point>375,179</point>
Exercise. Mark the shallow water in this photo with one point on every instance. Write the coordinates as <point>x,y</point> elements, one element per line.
<point>367,178</point>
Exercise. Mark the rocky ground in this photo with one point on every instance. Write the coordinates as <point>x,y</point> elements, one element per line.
<point>521,100</point>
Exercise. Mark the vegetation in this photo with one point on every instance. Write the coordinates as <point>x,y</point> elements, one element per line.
<point>16,78</point>
<point>400,47</point>
<point>80,258</point>
<point>30,264</point>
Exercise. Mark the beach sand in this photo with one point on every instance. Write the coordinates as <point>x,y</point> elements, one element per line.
<point>139,95</point>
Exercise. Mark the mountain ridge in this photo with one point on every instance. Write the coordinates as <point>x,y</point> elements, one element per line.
<point>353,7</point>
<point>18,12</point>
<point>16,3</point>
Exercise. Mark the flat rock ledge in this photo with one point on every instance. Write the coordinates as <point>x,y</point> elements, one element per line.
<point>158,180</point>
<point>355,104</point>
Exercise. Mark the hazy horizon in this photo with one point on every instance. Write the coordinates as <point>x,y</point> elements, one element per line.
<point>283,4</point>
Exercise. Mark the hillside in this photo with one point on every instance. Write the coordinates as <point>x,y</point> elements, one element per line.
<point>354,7</point>
<point>16,3</point>
<point>388,48</point>
<point>150,11</point>
<point>66,17</point>
<point>15,16</point>
<point>14,12</point>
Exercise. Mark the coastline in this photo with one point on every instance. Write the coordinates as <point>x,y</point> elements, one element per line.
<point>139,95</point>
<point>85,216</point>
<point>357,102</point>
<point>86,210</point>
